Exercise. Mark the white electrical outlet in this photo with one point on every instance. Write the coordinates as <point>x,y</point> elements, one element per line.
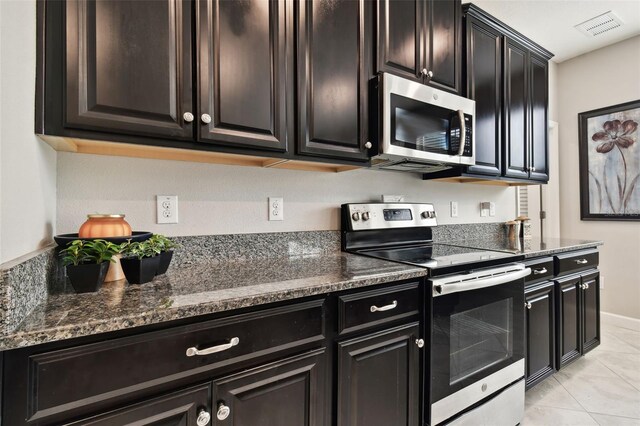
<point>167,208</point>
<point>454,209</point>
<point>276,208</point>
<point>492,209</point>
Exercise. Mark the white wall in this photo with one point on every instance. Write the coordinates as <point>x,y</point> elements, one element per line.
<point>598,79</point>
<point>218,199</point>
<point>27,165</point>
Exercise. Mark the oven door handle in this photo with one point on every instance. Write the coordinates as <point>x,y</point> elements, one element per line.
<point>463,132</point>
<point>440,287</point>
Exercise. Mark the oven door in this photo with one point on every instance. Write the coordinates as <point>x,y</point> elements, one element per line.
<point>477,336</point>
<point>421,122</point>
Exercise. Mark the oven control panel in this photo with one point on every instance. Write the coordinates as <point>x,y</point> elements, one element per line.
<point>369,216</point>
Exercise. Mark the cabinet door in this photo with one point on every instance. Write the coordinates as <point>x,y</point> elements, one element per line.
<point>541,333</point>
<point>175,409</point>
<point>444,44</point>
<point>569,320</point>
<point>591,311</point>
<point>128,67</point>
<point>243,67</point>
<point>484,85</point>
<point>539,145</point>
<point>333,72</point>
<point>400,37</point>
<point>516,109</point>
<point>290,392</point>
<point>378,379</point>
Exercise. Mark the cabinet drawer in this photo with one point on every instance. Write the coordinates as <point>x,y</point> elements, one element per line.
<point>541,270</point>
<point>576,261</point>
<point>105,372</point>
<point>367,309</point>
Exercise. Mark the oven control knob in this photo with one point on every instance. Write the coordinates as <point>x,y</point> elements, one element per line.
<point>365,216</point>
<point>432,214</point>
<point>355,216</point>
<point>425,215</point>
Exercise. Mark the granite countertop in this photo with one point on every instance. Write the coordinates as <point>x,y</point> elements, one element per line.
<point>199,289</point>
<point>533,247</point>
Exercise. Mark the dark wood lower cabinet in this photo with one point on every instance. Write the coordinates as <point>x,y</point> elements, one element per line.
<point>568,319</point>
<point>578,315</point>
<point>541,332</point>
<point>175,409</point>
<point>378,379</point>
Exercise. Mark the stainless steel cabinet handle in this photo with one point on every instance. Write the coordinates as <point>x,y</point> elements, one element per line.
<point>420,343</point>
<point>206,118</point>
<point>539,271</point>
<point>368,145</point>
<point>581,261</point>
<point>528,305</point>
<point>388,307</point>
<point>223,411</point>
<point>203,418</point>
<point>213,349</point>
<point>463,132</point>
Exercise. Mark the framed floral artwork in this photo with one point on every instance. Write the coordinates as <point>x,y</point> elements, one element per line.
<point>610,162</point>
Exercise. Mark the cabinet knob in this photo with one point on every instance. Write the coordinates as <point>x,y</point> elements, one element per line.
<point>420,343</point>
<point>427,73</point>
<point>203,418</point>
<point>533,169</point>
<point>368,145</point>
<point>206,118</point>
<point>527,305</point>
<point>223,411</point>
<point>187,117</point>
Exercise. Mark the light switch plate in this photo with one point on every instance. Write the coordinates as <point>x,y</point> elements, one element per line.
<point>454,209</point>
<point>167,208</point>
<point>276,208</point>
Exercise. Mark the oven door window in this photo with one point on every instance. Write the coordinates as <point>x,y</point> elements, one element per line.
<point>474,334</point>
<point>480,338</point>
<point>423,127</point>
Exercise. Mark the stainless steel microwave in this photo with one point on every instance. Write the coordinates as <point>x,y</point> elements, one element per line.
<point>419,128</point>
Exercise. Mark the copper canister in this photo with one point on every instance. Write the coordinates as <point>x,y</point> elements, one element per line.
<point>104,226</point>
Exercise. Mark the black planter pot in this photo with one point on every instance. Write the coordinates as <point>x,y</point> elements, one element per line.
<point>87,278</point>
<point>140,271</point>
<point>165,261</point>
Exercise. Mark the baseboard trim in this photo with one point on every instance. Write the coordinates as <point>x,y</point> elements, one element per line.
<point>620,321</point>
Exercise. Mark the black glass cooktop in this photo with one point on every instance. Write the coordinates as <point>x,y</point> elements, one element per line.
<point>435,256</point>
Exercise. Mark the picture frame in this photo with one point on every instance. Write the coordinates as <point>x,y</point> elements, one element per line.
<point>609,155</point>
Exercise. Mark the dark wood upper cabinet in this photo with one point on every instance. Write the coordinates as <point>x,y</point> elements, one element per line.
<point>401,37</point>
<point>541,332</point>
<point>378,379</point>
<point>443,48</point>
<point>242,73</point>
<point>484,85</point>
<point>128,67</point>
<point>516,110</point>
<point>421,40</point>
<point>333,70</point>
<point>539,89</point>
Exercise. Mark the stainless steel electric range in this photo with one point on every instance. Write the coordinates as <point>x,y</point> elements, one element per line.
<point>474,371</point>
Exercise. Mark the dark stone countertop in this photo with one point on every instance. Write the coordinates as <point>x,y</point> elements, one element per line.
<point>200,289</point>
<point>533,247</point>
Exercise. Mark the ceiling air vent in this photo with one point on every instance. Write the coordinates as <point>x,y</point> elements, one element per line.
<point>600,24</point>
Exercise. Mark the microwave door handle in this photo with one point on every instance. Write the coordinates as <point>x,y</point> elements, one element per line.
<point>440,288</point>
<point>463,132</point>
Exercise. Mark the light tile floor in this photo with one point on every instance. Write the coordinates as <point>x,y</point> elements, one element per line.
<point>601,388</point>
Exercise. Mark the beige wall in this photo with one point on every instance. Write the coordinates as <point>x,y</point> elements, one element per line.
<point>598,79</point>
<point>217,199</point>
<point>27,165</point>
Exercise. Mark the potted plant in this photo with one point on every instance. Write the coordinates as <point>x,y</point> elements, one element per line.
<point>87,263</point>
<point>140,261</point>
<point>165,246</point>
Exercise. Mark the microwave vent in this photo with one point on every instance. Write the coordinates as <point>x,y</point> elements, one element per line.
<point>600,24</point>
<point>407,165</point>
